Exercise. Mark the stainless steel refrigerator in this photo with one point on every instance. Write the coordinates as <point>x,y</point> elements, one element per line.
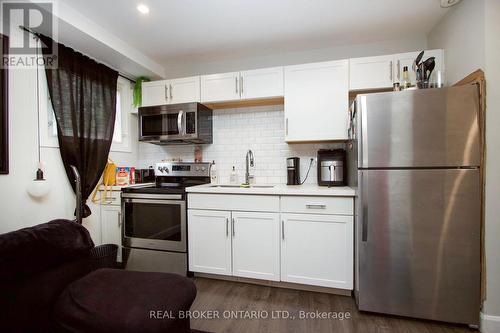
<point>414,159</point>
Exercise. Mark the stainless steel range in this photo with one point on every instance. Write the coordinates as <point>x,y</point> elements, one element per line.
<point>154,232</point>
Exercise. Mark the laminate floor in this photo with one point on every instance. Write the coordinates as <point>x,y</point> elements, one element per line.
<point>233,299</point>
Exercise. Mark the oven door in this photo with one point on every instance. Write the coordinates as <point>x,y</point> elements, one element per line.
<point>155,222</point>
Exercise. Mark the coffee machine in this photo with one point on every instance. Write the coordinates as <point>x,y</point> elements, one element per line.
<point>332,168</point>
<point>293,171</point>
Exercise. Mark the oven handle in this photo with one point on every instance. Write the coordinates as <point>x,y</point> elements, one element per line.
<point>153,201</point>
<point>152,196</point>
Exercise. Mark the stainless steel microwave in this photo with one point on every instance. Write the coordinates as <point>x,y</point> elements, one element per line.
<point>187,123</point>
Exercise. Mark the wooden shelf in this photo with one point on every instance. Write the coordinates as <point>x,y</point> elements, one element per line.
<point>246,104</point>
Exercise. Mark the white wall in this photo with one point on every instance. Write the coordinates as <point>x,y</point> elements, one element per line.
<point>469,33</point>
<point>17,208</point>
<point>260,129</point>
<point>492,39</point>
<point>461,34</point>
<point>235,61</point>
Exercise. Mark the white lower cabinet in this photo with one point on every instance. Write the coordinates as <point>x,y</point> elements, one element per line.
<point>209,239</point>
<point>317,250</point>
<point>256,246</point>
<point>111,225</point>
<point>305,240</point>
<point>244,244</point>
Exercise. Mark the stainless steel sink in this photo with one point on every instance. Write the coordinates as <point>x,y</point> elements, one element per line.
<point>239,186</point>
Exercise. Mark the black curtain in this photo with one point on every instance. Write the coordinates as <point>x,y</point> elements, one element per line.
<point>83,94</point>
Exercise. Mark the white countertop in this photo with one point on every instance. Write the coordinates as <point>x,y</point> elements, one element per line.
<point>306,189</point>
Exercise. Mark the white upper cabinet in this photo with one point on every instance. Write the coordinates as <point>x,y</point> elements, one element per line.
<point>371,72</point>
<point>261,83</point>
<point>154,93</point>
<point>406,59</point>
<point>316,101</point>
<point>183,90</point>
<point>220,87</point>
<point>381,72</point>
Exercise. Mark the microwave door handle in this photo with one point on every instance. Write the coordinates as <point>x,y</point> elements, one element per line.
<point>179,122</point>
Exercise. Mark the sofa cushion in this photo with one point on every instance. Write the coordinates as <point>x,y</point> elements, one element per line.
<point>111,300</point>
<point>42,247</point>
<point>27,306</point>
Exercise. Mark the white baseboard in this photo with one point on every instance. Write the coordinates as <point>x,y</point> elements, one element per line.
<point>489,323</point>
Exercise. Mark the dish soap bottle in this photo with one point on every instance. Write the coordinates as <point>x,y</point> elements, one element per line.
<point>213,173</point>
<point>233,177</point>
<point>406,78</point>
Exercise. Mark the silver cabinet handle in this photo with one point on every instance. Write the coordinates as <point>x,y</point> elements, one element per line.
<point>286,126</point>
<point>119,219</point>
<point>236,83</point>
<point>166,93</point>
<point>241,84</point>
<point>316,206</point>
<point>283,229</point>
<point>171,97</point>
<point>399,70</point>
<point>390,70</point>
<point>233,226</point>
<point>179,122</point>
<point>227,227</point>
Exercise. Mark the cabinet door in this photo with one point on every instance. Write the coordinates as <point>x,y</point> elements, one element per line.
<point>220,87</point>
<point>154,93</point>
<point>111,226</point>
<point>209,239</point>
<point>184,90</point>
<point>262,83</point>
<point>371,72</point>
<point>317,250</point>
<point>407,59</point>
<point>316,101</point>
<point>256,245</point>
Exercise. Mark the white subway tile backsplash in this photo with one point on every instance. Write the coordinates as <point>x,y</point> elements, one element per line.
<point>237,130</point>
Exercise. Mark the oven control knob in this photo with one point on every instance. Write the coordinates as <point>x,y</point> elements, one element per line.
<point>197,168</point>
<point>202,168</point>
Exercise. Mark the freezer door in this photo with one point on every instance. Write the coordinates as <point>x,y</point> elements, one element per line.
<point>418,236</point>
<point>419,128</point>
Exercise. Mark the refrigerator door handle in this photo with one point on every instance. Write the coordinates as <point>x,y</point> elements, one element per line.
<point>364,132</point>
<point>364,209</point>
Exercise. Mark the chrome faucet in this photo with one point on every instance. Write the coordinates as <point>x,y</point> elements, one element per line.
<point>249,163</point>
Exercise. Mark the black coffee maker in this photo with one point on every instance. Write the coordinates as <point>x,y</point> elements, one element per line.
<point>293,171</point>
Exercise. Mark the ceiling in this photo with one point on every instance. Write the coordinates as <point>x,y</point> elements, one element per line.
<point>187,29</point>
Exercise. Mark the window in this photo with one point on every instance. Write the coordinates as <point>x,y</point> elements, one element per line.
<point>121,134</point>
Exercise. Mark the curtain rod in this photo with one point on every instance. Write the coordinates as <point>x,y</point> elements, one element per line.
<point>36,35</point>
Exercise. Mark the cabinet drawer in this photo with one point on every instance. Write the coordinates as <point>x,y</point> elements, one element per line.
<point>244,202</point>
<point>317,205</point>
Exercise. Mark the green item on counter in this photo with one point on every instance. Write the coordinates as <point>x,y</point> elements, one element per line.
<point>245,185</point>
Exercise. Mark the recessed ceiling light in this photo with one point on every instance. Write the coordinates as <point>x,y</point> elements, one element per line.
<point>143,8</point>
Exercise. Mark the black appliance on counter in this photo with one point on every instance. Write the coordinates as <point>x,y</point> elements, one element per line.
<point>145,175</point>
<point>293,171</point>
<point>332,168</point>
<point>154,217</point>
